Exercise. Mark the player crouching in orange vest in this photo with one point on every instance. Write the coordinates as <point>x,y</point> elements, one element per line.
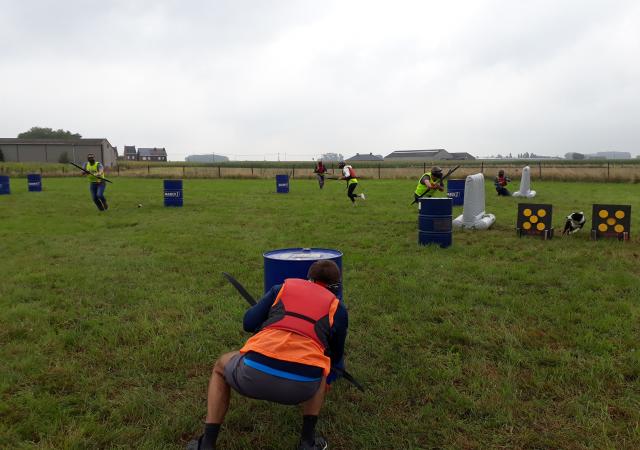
<point>301,330</point>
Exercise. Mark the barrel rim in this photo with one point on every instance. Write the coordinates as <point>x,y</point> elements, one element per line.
<point>268,254</point>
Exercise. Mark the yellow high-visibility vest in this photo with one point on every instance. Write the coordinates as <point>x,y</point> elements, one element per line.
<point>93,169</point>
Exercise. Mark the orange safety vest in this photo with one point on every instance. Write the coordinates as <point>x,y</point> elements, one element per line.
<point>297,329</point>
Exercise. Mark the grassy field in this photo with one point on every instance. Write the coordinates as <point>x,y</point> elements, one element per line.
<point>110,322</point>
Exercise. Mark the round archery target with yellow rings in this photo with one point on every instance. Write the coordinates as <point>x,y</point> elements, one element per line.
<point>526,225</point>
<point>540,226</point>
<point>527,212</point>
<point>611,220</point>
<point>542,213</point>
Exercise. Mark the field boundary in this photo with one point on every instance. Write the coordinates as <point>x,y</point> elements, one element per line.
<point>597,171</point>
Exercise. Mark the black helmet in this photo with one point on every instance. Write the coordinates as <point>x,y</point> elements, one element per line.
<point>500,173</point>
<point>436,172</point>
<point>341,164</point>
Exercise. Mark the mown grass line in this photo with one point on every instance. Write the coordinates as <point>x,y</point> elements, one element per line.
<point>109,323</point>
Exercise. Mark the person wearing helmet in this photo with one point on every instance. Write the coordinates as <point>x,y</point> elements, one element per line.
<point>349,175</point>
<point>429,184</point>
<point>500,183</point>
<point>300,330</point>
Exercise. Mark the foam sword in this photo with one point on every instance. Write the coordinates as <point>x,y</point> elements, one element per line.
<point>249,298</point>
<point>89,173</point>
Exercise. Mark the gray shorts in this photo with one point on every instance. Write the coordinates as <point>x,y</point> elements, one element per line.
<point>257,384</point>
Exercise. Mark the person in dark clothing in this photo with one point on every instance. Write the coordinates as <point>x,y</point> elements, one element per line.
<point>297,324</point>
<point>320,171</point>
<point>500,183</point>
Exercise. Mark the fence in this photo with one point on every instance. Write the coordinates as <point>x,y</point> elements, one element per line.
<point>548,170</point>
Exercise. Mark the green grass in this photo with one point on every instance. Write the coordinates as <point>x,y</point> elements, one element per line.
<point>110,322</point>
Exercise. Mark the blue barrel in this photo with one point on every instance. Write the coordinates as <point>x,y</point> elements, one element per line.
<point>282,184</point>
<point>435,221</point>
<point>34,182</point>
<point>294,263</point>
<point>172,192</point>
<point>5,189</point>
<point>455,191</point>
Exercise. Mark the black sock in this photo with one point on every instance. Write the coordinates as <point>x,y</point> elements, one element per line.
<point>210,436</point>
<point>308,428</point>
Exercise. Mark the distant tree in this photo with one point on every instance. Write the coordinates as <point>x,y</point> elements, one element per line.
<point>331,157</point>
<point>1,156</point>
<point>64,158</point>
<point>510,156</point>
<point>44,133</point>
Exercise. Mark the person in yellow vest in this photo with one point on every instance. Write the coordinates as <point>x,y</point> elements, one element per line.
<point>429,184</point>
<point>300,331</point>
<point>96,185</point>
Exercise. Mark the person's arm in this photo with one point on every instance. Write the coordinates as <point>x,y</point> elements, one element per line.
<point>257,314</point>
<point>338,334</point>
<point>100,172</point>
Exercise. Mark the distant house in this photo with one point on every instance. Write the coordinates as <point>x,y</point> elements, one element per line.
<point>206,158</point>
<point>152,154</point>
<point>130,153</point>
<point>419,155</point>
<point>609,155</point>
<point>461,156</point>
<point>58,150</point>
<point>366,157</point>
<point>574,155</point>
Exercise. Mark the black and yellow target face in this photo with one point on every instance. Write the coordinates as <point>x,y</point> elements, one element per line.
<point>534,219</point>
<point>611,220</point>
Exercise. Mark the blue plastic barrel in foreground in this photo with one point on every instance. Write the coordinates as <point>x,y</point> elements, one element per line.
<point>34,182</point>
<point>294,263</point>
<point>455,191</point>
<point>5,188</point>
<point>282,184</point>
<point>173,193</point>
<point>435,221</point>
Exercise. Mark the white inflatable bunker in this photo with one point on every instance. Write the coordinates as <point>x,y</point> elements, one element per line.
<point>473,215</point>
<point>525,185</point>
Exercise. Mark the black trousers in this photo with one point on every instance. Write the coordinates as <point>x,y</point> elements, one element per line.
<point>350,193</point>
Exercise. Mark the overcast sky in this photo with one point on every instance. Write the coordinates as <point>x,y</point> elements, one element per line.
<point>251,79</point>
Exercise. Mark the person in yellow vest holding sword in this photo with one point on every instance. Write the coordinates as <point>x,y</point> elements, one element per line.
<point>96,185</point>
<point>429,184</point>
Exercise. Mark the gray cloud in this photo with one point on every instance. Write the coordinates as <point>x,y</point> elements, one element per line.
<point>253,78</point>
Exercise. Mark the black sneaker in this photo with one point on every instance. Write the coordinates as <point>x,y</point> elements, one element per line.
<point>196,444</point>
<point>319,443</point>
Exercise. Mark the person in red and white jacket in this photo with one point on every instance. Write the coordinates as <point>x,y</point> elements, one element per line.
<point>349,175</point>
